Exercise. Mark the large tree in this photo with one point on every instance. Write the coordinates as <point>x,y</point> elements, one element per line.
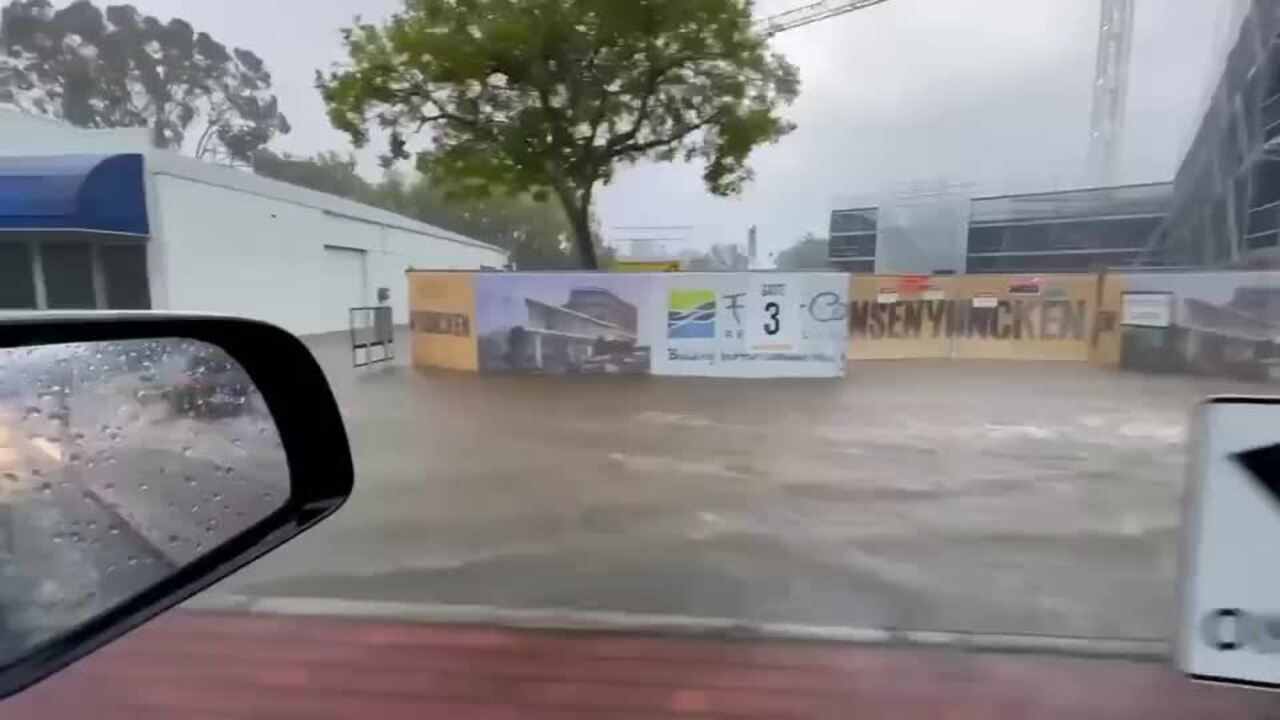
<point>549,97</point>
<point>120,68</point>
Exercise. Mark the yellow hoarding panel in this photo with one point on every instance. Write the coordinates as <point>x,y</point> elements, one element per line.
<point>1007,317</point>
<point>442,309</point>
<point>1032,317</point>
<point>1107,332</point>
<point>646,266</point>
<point>898,316</point>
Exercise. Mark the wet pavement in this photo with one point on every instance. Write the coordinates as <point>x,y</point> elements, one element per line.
<point>226,667</point>
<point>964,496</point>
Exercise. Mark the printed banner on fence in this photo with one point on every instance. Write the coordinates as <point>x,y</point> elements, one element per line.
<point>1211,323</point>
<point>706,324</point>
<point>564,323</point>
<point>753,325</point>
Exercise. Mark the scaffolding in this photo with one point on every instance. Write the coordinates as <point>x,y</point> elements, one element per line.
<point>1226,193</point>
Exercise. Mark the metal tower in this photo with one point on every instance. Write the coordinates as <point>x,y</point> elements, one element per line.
<point>1110,82</point>
<point>1110,86</point>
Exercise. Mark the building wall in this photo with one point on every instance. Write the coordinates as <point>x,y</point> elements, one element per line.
<point>225,240</point>
<point>221,249</point>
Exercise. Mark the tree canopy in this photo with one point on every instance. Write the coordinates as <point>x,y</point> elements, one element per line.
<point>550,97</point>
<point>120,68</point>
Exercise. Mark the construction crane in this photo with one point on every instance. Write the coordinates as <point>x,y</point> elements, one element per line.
<point>1110,88</point>
<point>1110,82</point>
<point>811,13</point>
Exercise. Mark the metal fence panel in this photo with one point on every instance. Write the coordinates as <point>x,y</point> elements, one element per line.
<point>372,335</point>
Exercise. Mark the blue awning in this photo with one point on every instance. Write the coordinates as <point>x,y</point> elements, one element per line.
<point>102,193</point>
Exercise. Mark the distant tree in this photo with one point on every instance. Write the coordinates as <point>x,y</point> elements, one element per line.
<point>550,97</point>
<point>329,172</point>
<point>536,234</point>
<point>721,256</point>
<point>808,253</point>
<point>125,69</point>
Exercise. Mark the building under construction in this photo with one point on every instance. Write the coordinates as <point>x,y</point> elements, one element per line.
<point>1226,193</point>
<point>1062,231</point>
<point>1222,209</point>
<point>942,230</point>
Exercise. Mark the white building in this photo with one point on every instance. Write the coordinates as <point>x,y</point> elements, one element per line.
<point>99,219</point>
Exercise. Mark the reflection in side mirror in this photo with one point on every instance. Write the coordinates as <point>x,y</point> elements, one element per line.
<point>120,463</point>
<point>144,457</point>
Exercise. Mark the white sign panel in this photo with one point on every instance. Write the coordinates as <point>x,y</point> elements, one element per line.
<point>1229,623</point>
<point>1147,309</point>
<point>774,319</point>
<point>753,324</point>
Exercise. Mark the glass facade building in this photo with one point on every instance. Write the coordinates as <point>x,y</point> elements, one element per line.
<point>1063,231</point>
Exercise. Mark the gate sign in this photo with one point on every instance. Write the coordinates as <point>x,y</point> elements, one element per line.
<point>1146,309</point>
<point>1229,615</point>
<point>774,312</point>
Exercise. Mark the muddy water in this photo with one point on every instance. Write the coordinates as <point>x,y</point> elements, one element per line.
<point>999,497</point>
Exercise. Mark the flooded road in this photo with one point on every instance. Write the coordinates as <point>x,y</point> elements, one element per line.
<point>983,496</point>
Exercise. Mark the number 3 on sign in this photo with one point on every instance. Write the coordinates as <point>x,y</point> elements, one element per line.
<point>774,324</point>
<point>772,307</point>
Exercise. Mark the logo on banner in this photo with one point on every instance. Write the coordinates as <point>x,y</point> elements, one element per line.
<point>691,314</point>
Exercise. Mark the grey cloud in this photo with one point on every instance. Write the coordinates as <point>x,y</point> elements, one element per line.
<point>990,92</point>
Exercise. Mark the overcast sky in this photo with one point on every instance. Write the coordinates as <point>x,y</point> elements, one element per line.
<point>994,94</point>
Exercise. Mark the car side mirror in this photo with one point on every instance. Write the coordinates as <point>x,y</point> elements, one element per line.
<point>144,457</point>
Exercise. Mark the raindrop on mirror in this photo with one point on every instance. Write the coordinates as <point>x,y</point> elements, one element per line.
<point>112,457</point>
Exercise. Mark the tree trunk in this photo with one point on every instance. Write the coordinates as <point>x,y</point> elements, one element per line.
<point>577,207</point>
<point>582,237</point>
<point>157,130</point>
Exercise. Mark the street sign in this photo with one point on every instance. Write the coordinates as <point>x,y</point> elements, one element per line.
<point>1229,615</point>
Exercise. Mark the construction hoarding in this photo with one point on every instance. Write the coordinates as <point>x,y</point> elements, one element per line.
<point>781,324</point>
<point>1224,323</point>
<point>442,320</point>
<point>565,322</point>
<point>1006,317</point>
<point>753,324</point>
<point>1211,323</point>
<point>705,324</point>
